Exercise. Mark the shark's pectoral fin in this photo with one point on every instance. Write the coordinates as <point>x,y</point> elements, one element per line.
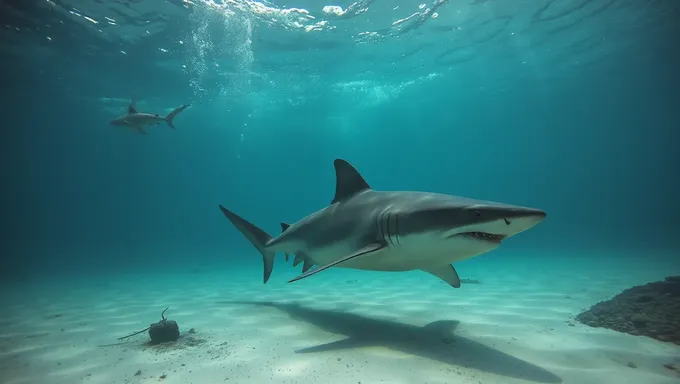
<point>367,250</point>
<point>141,130</point>
<point>445,272</point>
<point>307,264</point>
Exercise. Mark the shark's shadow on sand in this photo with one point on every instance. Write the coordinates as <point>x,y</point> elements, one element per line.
<point>435,341</point>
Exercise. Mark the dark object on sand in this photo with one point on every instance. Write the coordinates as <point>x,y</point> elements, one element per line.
<point>163,331</point>
<point>650,310</point>
<point>160,332</point>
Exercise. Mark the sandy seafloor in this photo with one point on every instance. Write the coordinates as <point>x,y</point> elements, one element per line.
<point>337,327</point>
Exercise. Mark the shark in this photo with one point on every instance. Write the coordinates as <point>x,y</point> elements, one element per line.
<point>140,121</point>
<point>367,229</point>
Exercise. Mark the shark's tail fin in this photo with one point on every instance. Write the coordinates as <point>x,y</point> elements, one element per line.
<point>257,237</point>
<point>171,116</point>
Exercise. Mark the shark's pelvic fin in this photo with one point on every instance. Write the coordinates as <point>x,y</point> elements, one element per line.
<point>307,264</point>
<point>445,272</point>
<point>302,257</point>
<point>348,181</point>
<point>367,250</point>
<point>256,236</point>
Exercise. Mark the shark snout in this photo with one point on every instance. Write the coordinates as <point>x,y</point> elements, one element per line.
<point>530,214</point>
<point>520,219</point>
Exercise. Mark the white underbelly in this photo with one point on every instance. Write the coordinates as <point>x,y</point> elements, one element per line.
<point>420,253</point>
<point>386,259</point>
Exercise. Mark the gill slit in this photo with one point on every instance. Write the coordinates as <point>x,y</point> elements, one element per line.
<point>389,228</point>
<point>384,226</point>
<point>396,228</point>
<point>393,229</point>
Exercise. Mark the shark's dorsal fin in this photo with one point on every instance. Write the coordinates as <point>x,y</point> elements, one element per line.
<point>132,109</point>
<point>348,181</point>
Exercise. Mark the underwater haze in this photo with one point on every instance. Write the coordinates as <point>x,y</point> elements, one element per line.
<point>567,106</point>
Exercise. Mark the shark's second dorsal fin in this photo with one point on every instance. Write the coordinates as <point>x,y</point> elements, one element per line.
<point>132,109</point>
<point>348,181</point>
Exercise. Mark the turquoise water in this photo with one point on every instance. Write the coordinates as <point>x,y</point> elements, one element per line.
<point>565,106</point>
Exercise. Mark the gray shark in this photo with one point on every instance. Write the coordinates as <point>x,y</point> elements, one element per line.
<point>390,230</point>
<point>139,121</point>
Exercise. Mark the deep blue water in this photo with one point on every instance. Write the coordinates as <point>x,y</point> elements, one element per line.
<point>576,115</point>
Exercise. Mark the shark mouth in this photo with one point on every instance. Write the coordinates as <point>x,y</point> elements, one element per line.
<point>485,236</point>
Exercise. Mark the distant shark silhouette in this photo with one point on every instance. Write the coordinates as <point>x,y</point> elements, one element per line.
<point>140,121</point>
<point>434,341</point>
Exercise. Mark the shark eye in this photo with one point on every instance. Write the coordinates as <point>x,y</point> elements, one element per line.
<point>478,213</point>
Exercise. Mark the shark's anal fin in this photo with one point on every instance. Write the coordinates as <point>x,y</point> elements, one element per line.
<point>367,250</point>
<point>445,272</point>
<point>348,181</point>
